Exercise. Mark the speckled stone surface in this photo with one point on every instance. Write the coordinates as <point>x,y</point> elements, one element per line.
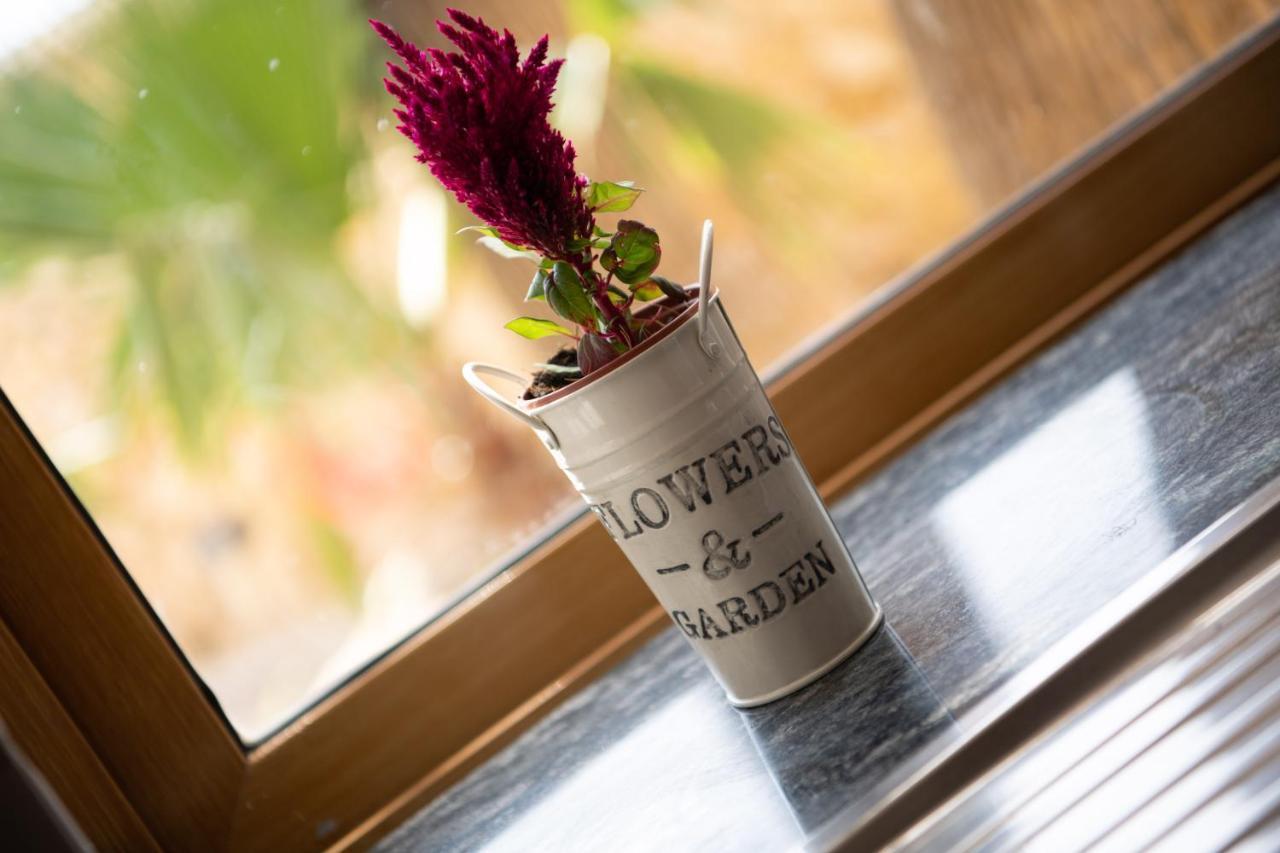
<point>987,542</point>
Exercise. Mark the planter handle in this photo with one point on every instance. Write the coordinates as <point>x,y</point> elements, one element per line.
<point>710,347</point>
<point>471,372</point>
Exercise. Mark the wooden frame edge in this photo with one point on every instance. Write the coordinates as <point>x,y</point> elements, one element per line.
<point>105,658</point>
<point>38,724</point>
<point>1053,329</point>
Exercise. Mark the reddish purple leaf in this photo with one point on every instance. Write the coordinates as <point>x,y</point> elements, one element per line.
<point>594,352</point>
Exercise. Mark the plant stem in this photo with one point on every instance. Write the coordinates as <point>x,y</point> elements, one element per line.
<point>613,317</point>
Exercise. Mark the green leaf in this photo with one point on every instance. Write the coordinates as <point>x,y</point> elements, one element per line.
<point>670,288</point>
<point>338,558</point>
<point>486,230</point>
<point>647,292</point>
<point>534,329</point>
<point>618,296</point>
<point>633,252</point>
<point>503,249</point>
<point>567,296</point>
<point>537,287</point>
<point>610,197</point>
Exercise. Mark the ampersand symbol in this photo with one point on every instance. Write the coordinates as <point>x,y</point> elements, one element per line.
<point>719,563</point>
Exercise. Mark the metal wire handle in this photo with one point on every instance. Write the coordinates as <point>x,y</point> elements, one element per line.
<point>710,347</point>
<point>471,373</point>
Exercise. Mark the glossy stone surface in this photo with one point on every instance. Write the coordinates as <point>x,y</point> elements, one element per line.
<point>987,542</point>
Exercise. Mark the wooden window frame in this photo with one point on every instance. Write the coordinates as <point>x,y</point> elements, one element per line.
<point>101,699</point>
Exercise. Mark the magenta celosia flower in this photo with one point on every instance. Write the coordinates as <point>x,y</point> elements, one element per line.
<point>479,120</point>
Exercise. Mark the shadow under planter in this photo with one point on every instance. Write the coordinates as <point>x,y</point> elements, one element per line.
<point>832,742</point>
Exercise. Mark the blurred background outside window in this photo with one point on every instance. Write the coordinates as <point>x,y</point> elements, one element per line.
<point>233,308</point>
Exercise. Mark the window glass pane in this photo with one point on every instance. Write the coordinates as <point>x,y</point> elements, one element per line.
<point>233,309</point>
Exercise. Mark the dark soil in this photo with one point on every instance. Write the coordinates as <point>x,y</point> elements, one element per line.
<point>546,381</point>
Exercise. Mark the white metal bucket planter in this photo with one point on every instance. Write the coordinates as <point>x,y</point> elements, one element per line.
<point>676,449</point>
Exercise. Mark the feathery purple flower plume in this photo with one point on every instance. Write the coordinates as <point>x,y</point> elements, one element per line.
<point>478,118</point>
